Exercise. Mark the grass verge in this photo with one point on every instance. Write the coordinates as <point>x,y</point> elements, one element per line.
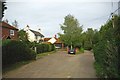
<point>44,54</point>
<point>79,52</point>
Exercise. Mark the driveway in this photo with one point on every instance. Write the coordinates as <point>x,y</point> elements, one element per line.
<point>57,65</point>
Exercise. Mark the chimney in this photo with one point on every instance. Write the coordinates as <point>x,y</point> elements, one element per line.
<point>26,28</point>
<point>55,36</point>
<point>39,30</point>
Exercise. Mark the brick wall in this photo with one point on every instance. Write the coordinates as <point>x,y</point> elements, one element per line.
<point>6,33</point>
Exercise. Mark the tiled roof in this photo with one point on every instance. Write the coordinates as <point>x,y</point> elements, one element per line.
<point>58,40</point>
<point>6,25</point>
<point>37,33</point>
<point>47,39</point>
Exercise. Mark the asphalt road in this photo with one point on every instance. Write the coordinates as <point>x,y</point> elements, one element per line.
<point>57,65</point>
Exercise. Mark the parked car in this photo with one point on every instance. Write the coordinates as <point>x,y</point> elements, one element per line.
<point>71,51</point>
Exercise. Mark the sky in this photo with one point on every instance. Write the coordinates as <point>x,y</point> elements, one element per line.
<point>47,15</point>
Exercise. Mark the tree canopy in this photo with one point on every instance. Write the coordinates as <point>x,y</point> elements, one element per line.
<point>72,31</point>
<point>22,35</point>
<point>15,24</point>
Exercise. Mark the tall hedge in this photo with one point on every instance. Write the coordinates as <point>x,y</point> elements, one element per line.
<point>106,51</point>
<point>41,48</point>
<point>15,51</point>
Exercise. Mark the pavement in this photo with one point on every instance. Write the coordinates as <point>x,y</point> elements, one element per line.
<point>57,65</point>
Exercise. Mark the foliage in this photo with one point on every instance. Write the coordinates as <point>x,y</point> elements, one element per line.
<point>72,31</point>
<point>16,51</point>
<point>87,45</point>
<point>96,37</point>
<point>41,48</point>
<point>22,35</point>
<point>82,50</point>
<point>89,38</point>
<point>117,37</point>
<point>106,50</point>
<point>3,8</point>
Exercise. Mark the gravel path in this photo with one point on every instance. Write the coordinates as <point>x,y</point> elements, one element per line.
<point>57,65</point>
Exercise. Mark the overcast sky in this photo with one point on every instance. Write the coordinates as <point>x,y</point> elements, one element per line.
<point>49,14</point>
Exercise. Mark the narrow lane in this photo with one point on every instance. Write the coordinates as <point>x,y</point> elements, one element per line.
<point>58,65</point>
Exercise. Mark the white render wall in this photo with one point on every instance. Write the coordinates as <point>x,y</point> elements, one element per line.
<point>31,36</point>
<point>38,38</point>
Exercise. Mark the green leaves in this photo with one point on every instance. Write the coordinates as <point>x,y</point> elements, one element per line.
<point>3,7</point>
<point>22,35</point>
<point>72,31</point>
<point>106,50</point>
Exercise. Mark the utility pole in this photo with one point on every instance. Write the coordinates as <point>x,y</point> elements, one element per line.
<point>113,20</point>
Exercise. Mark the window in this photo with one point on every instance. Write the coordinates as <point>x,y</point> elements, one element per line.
<point>12,32</point>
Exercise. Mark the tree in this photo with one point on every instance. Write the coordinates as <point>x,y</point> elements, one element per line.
<point>72,31</point>
<point>22,35</point>
<point>89,35</point>
<point>15,24</point>
<point>2,8</point>
<point>6,20</point>
<point>96,37</point>
<point>117,37</point>
<point>87,38</point>
<point>107,50</point>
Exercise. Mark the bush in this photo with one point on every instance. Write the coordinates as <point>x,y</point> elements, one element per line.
<point>41,48</point>
<point>106,51</point>
<point>100,58</point>
<point>82,50</point>
<point>52,47</point>
<point>87,45</point>
<point>106,57</point>
<point>15,51</point>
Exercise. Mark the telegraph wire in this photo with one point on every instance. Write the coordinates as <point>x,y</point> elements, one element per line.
<point>112,13</point>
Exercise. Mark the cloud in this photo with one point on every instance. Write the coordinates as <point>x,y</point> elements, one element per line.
<point>48,15</point>
<point>44,1</point>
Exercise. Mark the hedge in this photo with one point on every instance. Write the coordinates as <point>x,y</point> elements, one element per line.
<point>107,50</point>
<point>16,51</point>
<point>106,59</point>
<point>87,45</point>
<point>41,48</point>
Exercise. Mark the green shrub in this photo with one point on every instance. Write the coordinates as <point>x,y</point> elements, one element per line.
<point>106,59</point>
<point>53,47</point>
<point>106,52</point>
<point>50,48</point>
<point>99,70</point>
<point>82,50</point>
<point>87,45</point>
<point>15,51</point>
<point>41,48</point>
<point>46,47</point>
<point>5,42</point>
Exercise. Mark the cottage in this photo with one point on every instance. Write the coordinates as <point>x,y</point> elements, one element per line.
<point>8,31</point>
<point>55,41</point>
<point>33,36</point>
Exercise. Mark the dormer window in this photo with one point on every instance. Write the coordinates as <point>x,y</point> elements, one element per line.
<point>12,32</point>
